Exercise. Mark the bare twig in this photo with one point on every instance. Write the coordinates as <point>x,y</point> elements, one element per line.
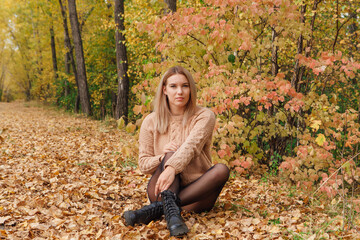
<point>335,173</point>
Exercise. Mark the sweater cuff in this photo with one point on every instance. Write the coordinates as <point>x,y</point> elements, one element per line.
<point>177,170</point>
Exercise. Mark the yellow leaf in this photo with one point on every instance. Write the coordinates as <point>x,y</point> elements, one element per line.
<point>219,231</point>
<point>121,123</point>
<point>130,128</point>
<point>315,124</point>
<point>320,139</point>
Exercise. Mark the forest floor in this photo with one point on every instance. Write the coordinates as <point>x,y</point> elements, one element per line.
<point>62,177</point>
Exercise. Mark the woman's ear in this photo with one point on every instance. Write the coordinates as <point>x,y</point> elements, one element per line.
<point>164,90</point>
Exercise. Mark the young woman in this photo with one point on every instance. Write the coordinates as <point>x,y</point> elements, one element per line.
<point>175,142</point>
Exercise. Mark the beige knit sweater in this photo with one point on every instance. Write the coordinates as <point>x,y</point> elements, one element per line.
<point>193,158</point>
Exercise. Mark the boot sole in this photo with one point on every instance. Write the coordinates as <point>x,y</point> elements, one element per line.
<point>179,231</point>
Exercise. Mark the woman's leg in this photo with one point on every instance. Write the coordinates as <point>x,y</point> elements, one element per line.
<point>156,209</point>
<point>201,194</point>
<point>172,211</point>
<point>175,186</point>
<point>198,196</point>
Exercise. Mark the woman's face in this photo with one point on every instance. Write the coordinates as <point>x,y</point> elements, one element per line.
<point>177,89</point>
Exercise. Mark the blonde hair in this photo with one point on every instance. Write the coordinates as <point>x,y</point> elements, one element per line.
<point>161,103</point>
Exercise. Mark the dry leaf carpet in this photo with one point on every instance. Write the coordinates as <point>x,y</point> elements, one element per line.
<point>62,176</point>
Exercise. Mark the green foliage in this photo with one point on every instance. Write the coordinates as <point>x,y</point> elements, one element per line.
<point>275,161</point>
<point>274,221</point>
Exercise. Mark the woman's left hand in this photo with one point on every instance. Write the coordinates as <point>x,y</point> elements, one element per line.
<point>165,180</point>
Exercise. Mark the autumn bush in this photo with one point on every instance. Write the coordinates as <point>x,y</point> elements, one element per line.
<point>282,78</point>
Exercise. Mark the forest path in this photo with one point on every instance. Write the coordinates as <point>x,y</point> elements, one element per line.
<point>62,177</point>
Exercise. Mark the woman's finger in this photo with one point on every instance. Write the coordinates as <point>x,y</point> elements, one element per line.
<point>158,186</point>
<point>166,187</point>
<point>156,189</point>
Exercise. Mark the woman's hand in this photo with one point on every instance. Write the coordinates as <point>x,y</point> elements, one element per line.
<point>165,180</point>
<point>170,147</point>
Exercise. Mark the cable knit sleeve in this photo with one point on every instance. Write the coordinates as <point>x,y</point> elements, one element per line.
<point>194,143</point>
<point>148,162</point>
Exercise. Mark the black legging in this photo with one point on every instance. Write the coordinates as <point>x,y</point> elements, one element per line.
<point>197,196</point>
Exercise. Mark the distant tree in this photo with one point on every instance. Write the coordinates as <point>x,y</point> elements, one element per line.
<point>171,5</point>
<point>80,61</point>
<point>53,51</point>
<point>69,57</point>
<point>121,63</point>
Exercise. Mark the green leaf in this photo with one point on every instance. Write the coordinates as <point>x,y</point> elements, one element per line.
<point>231,58</point>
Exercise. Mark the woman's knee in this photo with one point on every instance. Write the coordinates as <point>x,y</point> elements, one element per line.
<point>222,171</point>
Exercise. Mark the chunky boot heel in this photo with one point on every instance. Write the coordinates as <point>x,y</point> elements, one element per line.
<point>146,214</point>
<point>172,211</point>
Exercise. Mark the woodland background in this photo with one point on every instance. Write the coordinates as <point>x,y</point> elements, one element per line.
<point>282,76</point>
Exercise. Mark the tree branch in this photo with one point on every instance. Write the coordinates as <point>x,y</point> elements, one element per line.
<point>338,28</point>
<point>212,55</point>
<point>86,16</point>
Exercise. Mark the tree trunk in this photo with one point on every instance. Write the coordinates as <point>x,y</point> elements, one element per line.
<point>28,90</point>
<point>274,141</point>
<point>309,44</point>
<point>80,61</point>
<point>295,79</point>
<point>337,26</point>
<point>102,108</point>
<point>171,6</point>
<point>113,103</point>
<point>53,52</point>
<point>69,58</point>
<point>298,70</point>
<point>274,54</point>
<point>121,63</point>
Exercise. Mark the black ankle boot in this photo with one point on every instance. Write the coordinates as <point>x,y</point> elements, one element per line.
<point>144,215</point>
<point>172,211</point>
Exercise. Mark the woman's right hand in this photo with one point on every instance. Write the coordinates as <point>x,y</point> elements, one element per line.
<point>170,147</point>
<point>165,180</point>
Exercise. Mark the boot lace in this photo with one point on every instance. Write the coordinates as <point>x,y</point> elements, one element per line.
<point>171,202</point>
